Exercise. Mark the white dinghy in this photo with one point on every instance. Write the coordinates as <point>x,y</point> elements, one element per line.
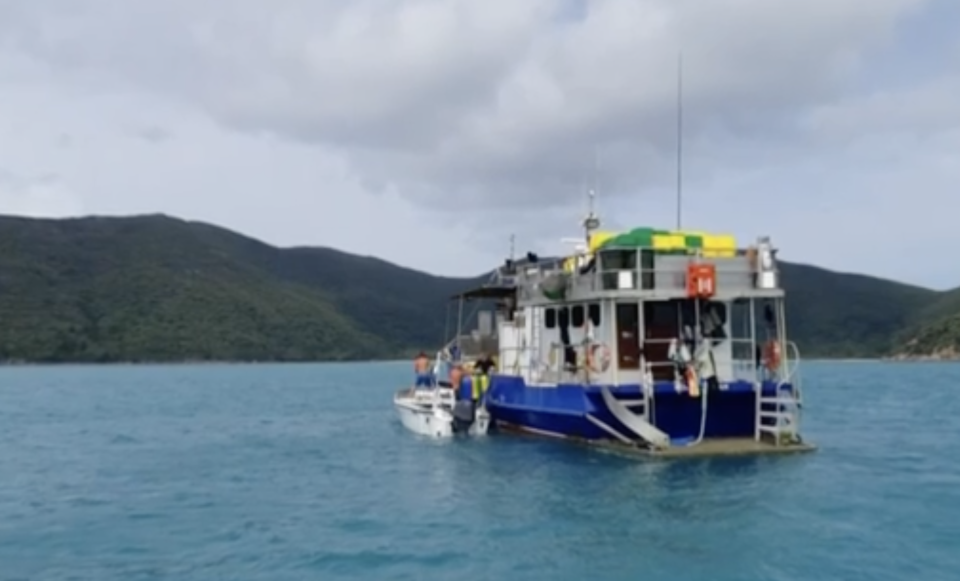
<point>427,410</point>
<point>435,410</point>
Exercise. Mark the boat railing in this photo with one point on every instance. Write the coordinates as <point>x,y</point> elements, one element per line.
<point>736,364</point>
<point>791,365</point>
<point>734,357</point>
<point>473,346</point>
<point>647,269</point>
<point>786,401</point>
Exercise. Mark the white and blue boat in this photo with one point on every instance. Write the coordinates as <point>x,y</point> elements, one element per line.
<point>662,342</point>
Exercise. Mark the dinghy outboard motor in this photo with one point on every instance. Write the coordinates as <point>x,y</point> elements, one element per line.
<point>463,411</point>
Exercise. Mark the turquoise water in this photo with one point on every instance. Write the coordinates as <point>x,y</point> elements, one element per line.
<point>303,472</point>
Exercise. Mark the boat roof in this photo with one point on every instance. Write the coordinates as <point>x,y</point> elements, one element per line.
<point>486,292</point>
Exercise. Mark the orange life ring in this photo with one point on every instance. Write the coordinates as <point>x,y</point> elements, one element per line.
<point>772,354</point>
<point>604,358</point>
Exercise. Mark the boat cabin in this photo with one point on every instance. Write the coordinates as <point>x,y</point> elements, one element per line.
<point>628,312</point>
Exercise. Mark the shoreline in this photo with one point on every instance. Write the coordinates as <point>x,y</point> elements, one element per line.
<point>190,362</point>
<point>186,362</point>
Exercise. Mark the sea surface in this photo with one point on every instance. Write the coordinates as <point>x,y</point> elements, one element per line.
<point>283,472</point>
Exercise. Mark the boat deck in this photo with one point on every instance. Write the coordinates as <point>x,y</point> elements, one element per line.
<point>730,447</point>
<point>708,448</point>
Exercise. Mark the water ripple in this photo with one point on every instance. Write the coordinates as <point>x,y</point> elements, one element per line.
<point>278,473</point>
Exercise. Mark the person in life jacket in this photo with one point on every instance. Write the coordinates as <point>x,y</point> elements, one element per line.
<point>456,378</point>
<point>481,375</point>
<point>421,367</point>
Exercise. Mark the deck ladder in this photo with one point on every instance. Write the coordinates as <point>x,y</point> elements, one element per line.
<point>786,404</point>
<point>640,405</point>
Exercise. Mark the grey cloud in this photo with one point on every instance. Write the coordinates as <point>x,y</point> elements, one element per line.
<point>18,182</point>
<point>464,105</point>
<point>153,134</point>
<point>454,102</point>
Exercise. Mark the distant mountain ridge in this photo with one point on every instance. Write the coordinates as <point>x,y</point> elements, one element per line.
<point>157,288</point>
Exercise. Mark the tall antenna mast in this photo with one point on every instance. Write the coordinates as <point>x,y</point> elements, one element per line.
<point>679,140</point>
<point>513,247</point>
<point>591,222</point>
<point>596,169</point>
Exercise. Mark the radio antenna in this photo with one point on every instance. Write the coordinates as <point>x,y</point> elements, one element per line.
<point>679,140</point>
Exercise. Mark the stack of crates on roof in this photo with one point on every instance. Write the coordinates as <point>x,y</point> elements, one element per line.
<point>672,242</point>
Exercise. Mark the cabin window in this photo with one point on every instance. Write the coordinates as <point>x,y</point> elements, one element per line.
<point>563,317</point>
<point>628,339</point>
<point>618,260</point>
<point>550,318</point>
<point>647,270</point>
<point>594,312</point>
<point>613,261</point>
<point>665,316</point>
<point>576,313</point>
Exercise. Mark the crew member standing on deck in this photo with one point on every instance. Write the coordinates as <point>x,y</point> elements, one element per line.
<point>481,375</point>
<point>421,367</point>
<point>456,378</point>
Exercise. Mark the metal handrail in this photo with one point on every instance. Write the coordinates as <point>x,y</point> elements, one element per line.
<point>543,367</point>
<point>596,280</point>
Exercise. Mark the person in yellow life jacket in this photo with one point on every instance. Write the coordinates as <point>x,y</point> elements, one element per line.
<point>421,367</point>
<point>468,385</point>
<point>481,375</point>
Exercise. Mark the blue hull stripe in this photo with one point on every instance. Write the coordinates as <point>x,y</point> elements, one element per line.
<point>562,409</point>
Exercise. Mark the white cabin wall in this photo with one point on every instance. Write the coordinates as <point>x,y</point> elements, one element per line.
<point>528,359</point>
<point>516,342</point>
<point>549,338</point>
<point>627,376</point>
<point>606,334</point>
<point>509,356</point>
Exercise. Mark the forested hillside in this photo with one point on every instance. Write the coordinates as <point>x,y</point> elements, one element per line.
<point>156,288</point>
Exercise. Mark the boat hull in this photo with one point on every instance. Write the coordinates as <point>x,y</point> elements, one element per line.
<point>579,411</point>
<point>436,413</point>
<point>436,423</point>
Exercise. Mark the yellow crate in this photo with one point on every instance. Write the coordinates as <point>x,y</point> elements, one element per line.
<point>720,245</point>
<point>598,238</point>
<point>715,245</point>
<point>669,242</point>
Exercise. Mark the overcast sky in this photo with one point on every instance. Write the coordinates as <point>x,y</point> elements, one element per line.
<point>427,131</point>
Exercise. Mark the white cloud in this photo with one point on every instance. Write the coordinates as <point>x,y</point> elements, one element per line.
<point>42,196</point>
<point>442,125</point>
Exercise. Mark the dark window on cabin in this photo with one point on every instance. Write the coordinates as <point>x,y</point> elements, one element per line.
<point>563,317</point>
<point>661,319</point>
<point>628,339</point>
<point>618,260</point>
<point>647,270</point>
<point>550,318</point>
<point>576,313</point>
<point>594,312</point>
<point>613,261</point>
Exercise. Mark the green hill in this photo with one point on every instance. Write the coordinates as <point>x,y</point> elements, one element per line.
<point>935,331</point>
<point>848,315</point>
<point>158,288</point>
<point>155,288</point>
